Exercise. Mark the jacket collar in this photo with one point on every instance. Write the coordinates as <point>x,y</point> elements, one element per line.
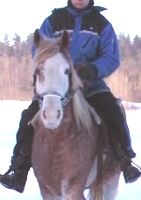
<point>79,12</point>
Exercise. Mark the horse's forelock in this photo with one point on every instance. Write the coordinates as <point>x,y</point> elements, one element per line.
<point>47,47</point>
<point>46,50</point>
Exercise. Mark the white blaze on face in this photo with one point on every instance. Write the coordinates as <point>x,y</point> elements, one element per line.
<point>54,80</point>
<point>51,111</point>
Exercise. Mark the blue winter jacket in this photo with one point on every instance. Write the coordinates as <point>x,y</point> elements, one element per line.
<point>93,41</point>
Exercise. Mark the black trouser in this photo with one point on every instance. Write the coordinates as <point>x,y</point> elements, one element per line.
<point>21,159</point>
<point>115,121</point>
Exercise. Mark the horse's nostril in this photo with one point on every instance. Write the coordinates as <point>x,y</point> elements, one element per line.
<point>44,114</point>
<point>58,114</point>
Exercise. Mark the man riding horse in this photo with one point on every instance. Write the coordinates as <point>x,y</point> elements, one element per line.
<point>95,53</point>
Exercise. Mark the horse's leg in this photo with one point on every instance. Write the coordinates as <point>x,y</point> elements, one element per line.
<point>110,187</point>
<point>83,198</point>
<point>74,196</point>
<point>73,193</point>
<point>106,190</point>
<point>44,192</point>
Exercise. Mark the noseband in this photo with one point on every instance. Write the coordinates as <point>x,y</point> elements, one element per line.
<point>64,99</point>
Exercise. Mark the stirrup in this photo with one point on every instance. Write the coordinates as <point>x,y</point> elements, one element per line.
<point>8,171</point>
<point>136,165</point>
<point>131,172</point>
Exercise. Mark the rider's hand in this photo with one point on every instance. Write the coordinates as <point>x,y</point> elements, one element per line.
<point>86,72</point>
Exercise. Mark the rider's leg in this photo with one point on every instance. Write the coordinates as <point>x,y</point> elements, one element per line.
<point>15,178</point>
<point>118,129</point>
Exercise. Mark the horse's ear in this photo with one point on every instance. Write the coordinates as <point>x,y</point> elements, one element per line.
<point>37,37</point>
<point>64,40</point>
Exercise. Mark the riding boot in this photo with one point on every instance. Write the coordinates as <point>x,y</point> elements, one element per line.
<point>15,178</point>
<point>118,131</point>
<point>131,171</point>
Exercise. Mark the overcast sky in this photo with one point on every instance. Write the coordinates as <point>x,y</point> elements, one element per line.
<point>24,16</point>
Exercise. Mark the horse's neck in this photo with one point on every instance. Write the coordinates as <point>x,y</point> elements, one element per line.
<point>68,114</point>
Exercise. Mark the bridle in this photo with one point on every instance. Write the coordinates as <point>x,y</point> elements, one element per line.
<point>64,99</point>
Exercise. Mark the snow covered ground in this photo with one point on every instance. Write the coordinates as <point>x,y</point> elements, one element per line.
<point>9,117</point>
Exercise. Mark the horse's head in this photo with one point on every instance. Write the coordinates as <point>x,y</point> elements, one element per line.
<point>52,77</point>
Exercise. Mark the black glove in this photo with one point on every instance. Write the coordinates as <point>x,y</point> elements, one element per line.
<point>86,72</point>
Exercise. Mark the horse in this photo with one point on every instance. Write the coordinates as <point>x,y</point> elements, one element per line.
<point>68,153</point>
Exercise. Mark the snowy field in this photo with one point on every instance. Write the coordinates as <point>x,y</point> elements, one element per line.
<point>9,117</point>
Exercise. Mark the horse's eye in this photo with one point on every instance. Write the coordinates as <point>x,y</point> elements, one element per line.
<point>38,72</point>
<point>67,71</point>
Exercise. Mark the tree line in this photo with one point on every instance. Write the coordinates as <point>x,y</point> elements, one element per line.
<point>16,69</point>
